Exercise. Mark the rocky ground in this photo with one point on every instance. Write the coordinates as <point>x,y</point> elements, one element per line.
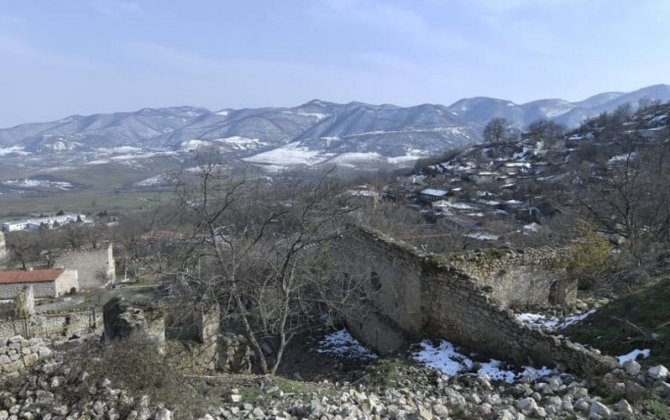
<point>59,387</point>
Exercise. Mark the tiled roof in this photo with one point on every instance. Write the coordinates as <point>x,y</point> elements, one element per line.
<point>34,276</point>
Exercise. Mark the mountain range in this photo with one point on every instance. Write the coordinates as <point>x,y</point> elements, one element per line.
<point>354,135</point>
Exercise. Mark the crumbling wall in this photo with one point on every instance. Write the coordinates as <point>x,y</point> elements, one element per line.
<point>452,306</point>
<point>390,289</point>
<point>518,277</point>
<point>194,330</point>
<point>17,353</point>
<point>121,319</point>
<point>64,324</point>
<point>96,267</point>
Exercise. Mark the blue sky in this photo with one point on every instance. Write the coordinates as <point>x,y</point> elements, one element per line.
<point>65,57</point>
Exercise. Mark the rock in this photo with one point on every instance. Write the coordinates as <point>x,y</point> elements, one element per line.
<point>59,410</point>
<point>566,405</point>
<point>440,411</point>
<point>163,414</point>
<point>30,359</point>
<point>662,388</point>
<point>4,414</point>
<point>540,412</point>
<point>235,398</point>
<point>424,414</point>
<point>623,407</point>
<point>634,391</point>
<point>599,410</point>
<point>582,405</point>
<point>632,367</point>
<point>526,404</point>
<point>658,372</point>
<point>43,397</point>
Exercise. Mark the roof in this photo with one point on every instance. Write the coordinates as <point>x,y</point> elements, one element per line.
<point>35,276</point>
<point>432,191</point>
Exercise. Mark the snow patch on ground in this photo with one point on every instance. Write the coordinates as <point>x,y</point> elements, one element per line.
<point>482,236</point>
<point>119,149</point>
<point>445,358</point>
<point>153,181</point>
<point>644,353</point>
<point>38,183</point>
<point>342,344</point>
<point>13,149</point>
<point>553,323</point>
<point>291,154</point>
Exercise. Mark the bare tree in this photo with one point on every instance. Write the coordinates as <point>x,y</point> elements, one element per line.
<point>497,130</point>
<point>546,130</point>
<point>633,201</point>
<point>263,253</point>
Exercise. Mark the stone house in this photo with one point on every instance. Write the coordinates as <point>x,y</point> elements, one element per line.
<point>46,283</point>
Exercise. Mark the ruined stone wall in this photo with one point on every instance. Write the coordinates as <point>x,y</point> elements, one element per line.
<point>95,266</point>
<point>518,277</point>
<point>453,306</point>
<point>17,353</point>
<point>52,325</point>
<point>392,290</point>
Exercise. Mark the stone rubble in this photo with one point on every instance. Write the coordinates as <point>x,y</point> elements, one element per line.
<point>46,393</point>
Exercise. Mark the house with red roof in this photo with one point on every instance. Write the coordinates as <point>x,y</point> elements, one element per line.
<point>51,282</point>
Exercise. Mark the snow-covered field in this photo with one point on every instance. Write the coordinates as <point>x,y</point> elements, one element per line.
<point>444,357</point>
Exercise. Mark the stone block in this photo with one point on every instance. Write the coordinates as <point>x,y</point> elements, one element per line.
<point>30,359</point>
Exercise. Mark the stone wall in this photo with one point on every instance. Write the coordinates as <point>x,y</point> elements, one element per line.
<point>17,353</point>
<point>41,289</point>
<point>121,319</point>
<point>51,325</point>
<point>445,302</point>
<point>394,301</point>
<point>66,282</point>
<point>3,251</point>
<point>196,333</point>
<point>95,266</point>
<point>518,277</point>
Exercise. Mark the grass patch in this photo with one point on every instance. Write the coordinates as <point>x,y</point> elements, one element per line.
<point>386,373</point>
<point>654,409</point>
<point>631,322</point>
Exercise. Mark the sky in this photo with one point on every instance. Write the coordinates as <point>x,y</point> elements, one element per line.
<point>64,57</point>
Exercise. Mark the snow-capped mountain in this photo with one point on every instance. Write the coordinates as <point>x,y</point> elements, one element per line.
<point>352,135</point>
<point>478,111</point>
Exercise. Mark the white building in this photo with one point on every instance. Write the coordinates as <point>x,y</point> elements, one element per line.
<point>48,221</point>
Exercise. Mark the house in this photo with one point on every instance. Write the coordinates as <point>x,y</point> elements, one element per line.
<point>52,282</point>
<point>429,195</point>
<point>460,224</point>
